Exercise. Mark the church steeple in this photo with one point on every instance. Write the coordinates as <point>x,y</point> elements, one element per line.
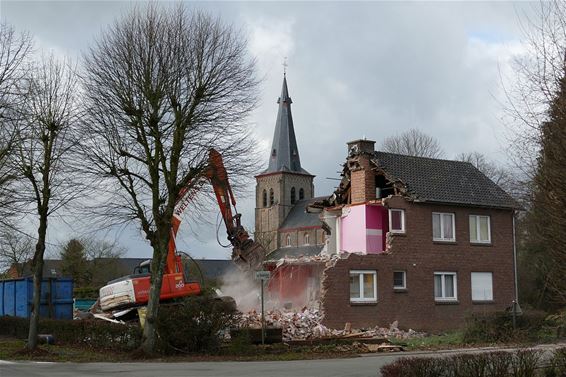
<point>285,184</point>
<point>284,153</point>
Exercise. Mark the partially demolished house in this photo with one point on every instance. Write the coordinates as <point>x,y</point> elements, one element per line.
<point>421,241</point>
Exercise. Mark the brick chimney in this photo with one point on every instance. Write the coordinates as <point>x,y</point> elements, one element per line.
<point>362,176</point>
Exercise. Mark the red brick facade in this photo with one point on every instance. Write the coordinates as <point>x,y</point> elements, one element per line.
<point>416,253</point>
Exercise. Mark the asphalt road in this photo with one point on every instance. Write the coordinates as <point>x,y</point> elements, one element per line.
<point>354,367</point>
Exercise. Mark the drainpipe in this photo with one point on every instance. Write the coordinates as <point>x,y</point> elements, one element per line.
<point>516,308</point>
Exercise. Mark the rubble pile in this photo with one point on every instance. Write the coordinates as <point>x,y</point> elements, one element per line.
<point>306,324</point>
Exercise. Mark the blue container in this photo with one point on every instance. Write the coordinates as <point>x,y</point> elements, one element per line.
<point>16,297</point>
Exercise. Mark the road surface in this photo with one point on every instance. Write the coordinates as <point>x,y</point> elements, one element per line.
<point>364,366</point>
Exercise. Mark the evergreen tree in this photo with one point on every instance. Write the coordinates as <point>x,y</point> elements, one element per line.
<point>74,262</point>
<point>545,241</point>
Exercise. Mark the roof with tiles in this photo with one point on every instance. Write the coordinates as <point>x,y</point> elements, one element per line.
<point>443,181</point>
<point>298,216</point>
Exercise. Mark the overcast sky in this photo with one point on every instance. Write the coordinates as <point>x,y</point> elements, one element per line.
<point>369,69</point>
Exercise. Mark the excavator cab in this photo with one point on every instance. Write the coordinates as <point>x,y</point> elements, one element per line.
<point>143,268</point>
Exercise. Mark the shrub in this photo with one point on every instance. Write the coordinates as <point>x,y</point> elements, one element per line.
<point>498,327</point>
<point>525,363</point>
<point>92,333</point>
<point>194,324</point>
<point>494,364</point>
<point>557,367</point>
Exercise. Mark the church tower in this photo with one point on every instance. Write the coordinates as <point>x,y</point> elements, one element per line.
<point>284,182</point>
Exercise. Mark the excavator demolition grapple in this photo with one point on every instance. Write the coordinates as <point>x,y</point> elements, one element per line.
<point>133,290</point>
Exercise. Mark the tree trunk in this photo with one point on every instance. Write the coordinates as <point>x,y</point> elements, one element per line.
<point>157,267</point>
<point>37,277</point>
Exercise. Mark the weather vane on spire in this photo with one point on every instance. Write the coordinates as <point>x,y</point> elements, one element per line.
<point>285,66</point>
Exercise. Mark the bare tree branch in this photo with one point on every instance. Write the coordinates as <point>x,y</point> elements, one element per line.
<point>413,143</point>
<point>162,87</point>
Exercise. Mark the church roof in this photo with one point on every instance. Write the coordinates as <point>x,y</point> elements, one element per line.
<point>298,216</point>
<point>284,153</point>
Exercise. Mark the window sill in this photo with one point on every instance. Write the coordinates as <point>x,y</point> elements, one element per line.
<point>400,290</point>
<point>440,242</point>
<point>447,302</point>
<point>394,233</point>
<point>363,303</point>
<point>487,244</point>
<point>483,302</point>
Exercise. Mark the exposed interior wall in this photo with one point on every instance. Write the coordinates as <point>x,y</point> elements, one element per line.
<point>363,229</point>
<point>295,285</point>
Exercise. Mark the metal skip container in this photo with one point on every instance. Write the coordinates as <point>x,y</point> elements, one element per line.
<point>16,296</point>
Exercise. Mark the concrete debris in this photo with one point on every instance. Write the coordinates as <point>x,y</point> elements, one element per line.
<point>307,324</point>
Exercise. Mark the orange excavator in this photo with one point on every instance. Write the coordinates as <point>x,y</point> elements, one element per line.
<point>133,290</point>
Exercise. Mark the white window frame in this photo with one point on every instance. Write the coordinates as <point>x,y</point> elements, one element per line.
<point>360,274</point>
<point>288,240</point>
<point>399,231</point>
<point>443,286</point>
<point>442,238</point>
<point>472,285</point>
<point>478,228</point>
<point>306,239</point>
<point>404,286</point>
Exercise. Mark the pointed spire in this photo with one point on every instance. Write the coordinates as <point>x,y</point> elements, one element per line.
<point>284,154</point>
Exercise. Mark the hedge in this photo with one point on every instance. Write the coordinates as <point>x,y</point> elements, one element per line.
<point>92,333</point>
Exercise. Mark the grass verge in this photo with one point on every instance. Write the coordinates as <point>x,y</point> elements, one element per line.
<point>12,349</point>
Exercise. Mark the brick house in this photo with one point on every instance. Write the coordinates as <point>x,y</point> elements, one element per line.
<point>421,241</point>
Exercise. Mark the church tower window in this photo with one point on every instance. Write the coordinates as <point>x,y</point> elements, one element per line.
<point>293,195</point>
<point>271,197</point>
<point>264,198</point>
<point>301,194</point>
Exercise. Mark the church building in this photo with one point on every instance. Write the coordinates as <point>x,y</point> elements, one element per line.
<point>283,191</point>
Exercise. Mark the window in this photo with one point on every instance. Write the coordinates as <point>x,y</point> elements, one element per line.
<point>480,231</point>
<point>399,280</point>
<point>443,227</point>
<point>306,238</point>
<point>482,286</point>
<point>271,197</point>
<point>445,287</point>
<point>292,195</point>
<point>288,240</point>
<point>397,220</point>
<point>264,198</point>
<point>301,194</point>
<point>363,286</point>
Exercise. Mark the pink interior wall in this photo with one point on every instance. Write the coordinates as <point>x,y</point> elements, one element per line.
<point>353,230</point>
<point>363,229</point>
<point>375,229</point>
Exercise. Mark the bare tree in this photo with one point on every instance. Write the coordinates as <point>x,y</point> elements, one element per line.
<point>43,141</point>
<point>15,250</point>
<point>162,86</point>
<point>413,143</point>
<point>14,52</point>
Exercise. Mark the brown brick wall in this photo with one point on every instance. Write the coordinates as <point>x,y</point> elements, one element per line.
<point>420,257</point>
<point>363,181</point>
